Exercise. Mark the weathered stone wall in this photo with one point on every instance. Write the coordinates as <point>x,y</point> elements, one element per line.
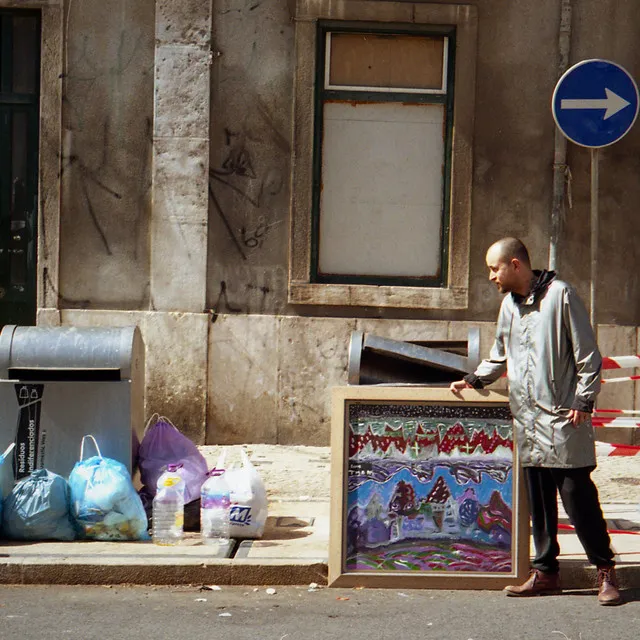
<point>270,377</point>
<point>251,106</point>
<point>107,115</point>
<point>607,30</point>
<point>513,156</point>
<point>139,161</point>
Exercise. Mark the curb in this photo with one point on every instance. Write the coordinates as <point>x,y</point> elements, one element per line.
<point>575,575</point>
<point>113,571</point>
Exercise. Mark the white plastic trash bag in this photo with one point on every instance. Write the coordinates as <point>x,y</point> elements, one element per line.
<point>248,498</point>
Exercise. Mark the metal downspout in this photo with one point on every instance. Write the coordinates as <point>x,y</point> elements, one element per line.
<point>560,147</point>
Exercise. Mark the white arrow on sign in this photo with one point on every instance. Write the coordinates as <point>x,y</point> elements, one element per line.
<point>612,103</point>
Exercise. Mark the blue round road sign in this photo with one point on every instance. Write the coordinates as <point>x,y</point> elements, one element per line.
<point>595,103</point>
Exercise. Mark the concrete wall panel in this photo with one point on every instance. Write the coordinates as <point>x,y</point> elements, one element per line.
<point>179,224</point>
<point>106,155</point>
<point>243,380</point>
<point>251,94</point>
<point>313,359</point>
<point>617,341</point>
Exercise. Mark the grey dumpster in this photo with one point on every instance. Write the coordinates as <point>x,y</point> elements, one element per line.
<point>59,384</point>
<point>376,360</point>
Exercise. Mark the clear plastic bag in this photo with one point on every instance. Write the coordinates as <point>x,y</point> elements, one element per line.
<point>104,502</point>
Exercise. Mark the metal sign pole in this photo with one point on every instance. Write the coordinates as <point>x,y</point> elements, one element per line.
<point>595,158</point>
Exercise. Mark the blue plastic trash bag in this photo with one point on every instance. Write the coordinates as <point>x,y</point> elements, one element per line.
<point>104,502</point>
<point>6,477</point>
<point>38,508</point>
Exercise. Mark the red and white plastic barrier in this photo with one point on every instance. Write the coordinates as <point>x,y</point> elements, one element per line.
<point>621,362</point>
<point>606,449</point>
<point>599,421</point>
<point>623,379</point>
<point>569,527</point>
<point>626,412</point>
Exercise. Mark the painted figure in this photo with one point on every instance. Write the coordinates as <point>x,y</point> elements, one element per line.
<point>546,345</point>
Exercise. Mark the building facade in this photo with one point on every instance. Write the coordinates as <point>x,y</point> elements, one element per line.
<point>249,182</point>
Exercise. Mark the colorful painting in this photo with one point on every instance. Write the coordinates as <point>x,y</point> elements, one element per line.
<point>429,488</point>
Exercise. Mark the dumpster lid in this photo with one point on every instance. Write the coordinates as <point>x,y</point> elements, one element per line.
<point>32,349</point>
<point>396,361</point>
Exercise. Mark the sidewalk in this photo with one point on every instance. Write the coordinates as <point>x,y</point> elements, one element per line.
<point>293,550</point>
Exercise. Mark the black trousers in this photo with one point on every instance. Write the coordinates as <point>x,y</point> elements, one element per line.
<point>580,499</point>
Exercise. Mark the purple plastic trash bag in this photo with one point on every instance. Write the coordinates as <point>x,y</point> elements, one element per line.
<point>163,445</point>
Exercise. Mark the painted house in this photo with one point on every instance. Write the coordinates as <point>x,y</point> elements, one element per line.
<point>250,181</point>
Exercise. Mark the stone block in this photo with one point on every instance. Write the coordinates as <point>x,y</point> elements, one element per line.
<point>179,262</point>
<point>243,380</point>
<point>407,330</point>
<point>313,359</point>
<point>617,435</point>
<point>183,22</point>
<point>180,169</point>
<point>182,92</point>
<point>617,341</point>
<point>48,317</point>
<point>179,225</point>
<point>176,357</point>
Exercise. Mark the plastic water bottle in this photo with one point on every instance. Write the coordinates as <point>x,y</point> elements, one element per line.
<point>168,507</point>
<point>215,508</point>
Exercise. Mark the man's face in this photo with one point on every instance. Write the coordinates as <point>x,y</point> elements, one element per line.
<point>503,273</point>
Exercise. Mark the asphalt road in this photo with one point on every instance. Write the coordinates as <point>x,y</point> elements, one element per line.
<point>295,613</point>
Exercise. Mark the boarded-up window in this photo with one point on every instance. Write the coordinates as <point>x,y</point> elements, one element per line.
<point>386,61</point>
<point>382,176</point>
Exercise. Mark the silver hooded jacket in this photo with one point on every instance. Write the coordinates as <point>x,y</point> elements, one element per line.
<point>546,344</point>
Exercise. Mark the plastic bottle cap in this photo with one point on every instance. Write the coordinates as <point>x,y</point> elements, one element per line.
<point>215,472</point>
<point>174,467</point>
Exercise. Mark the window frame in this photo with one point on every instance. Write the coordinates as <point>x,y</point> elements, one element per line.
<point>394,16</point>
<point>324,92</point>
<point>329,27</point>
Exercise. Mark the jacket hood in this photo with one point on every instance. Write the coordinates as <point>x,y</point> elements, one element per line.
<point>540,284</point>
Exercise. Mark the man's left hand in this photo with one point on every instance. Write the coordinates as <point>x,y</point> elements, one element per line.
<point>577,417</point>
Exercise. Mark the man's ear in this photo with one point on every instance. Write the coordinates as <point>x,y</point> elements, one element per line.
<point>517,265</point>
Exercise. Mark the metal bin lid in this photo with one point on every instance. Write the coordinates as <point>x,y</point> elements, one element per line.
<point>69,348</point>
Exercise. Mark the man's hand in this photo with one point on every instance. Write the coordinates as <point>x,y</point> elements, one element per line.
<point>577,417</point>
<point>459,385</point>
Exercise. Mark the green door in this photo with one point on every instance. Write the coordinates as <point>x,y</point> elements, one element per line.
<point>19,101</point>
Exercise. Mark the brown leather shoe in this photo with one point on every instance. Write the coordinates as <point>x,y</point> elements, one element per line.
<point>608,594</point>
<point>538,584</point>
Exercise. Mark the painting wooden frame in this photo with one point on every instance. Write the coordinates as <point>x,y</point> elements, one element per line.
<point>436,498</point>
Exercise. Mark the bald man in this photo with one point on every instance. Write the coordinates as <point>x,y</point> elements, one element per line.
<point>546,345</point>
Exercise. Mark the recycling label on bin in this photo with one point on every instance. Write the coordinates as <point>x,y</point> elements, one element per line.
<point>28,453</point>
